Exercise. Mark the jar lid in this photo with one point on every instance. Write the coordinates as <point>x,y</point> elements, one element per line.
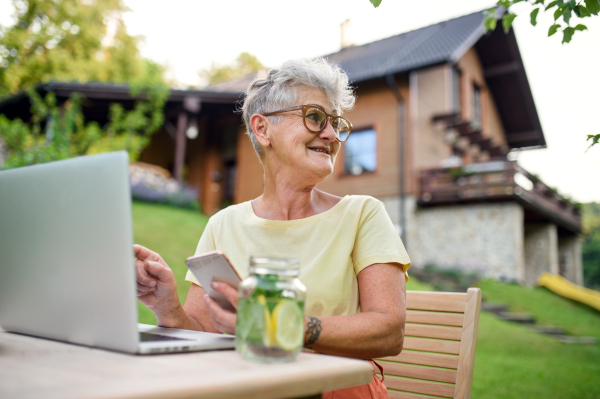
<point>263,265</point>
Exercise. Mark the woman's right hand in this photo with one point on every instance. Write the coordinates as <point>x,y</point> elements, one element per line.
<point>156,286</point>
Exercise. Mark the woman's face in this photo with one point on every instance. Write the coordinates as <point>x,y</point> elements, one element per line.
<point>307,154</point>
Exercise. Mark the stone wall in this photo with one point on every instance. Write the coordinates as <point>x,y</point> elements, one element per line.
<point>484,237</point>
<point>569,258</point>
<point>541,250</point>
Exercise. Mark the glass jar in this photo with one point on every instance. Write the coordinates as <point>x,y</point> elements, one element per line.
<point>270,312</point>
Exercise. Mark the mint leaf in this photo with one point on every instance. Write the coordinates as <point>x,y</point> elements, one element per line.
<point>568,34</point>
<point>375,3</point>
<point>593,6</point>
<point>553,29</point>
<point>507,21</point>
<point>533,15</point>
<point>581,27</point>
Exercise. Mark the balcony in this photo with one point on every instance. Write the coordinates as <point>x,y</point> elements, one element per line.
<point>498,181</point>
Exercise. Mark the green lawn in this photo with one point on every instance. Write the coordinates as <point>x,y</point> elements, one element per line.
<point>174,234</point>
<point>512,361</point>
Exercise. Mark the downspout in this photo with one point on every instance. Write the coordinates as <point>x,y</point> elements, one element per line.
<point>391,82</point>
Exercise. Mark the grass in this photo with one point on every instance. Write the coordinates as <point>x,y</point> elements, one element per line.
<point>174,234</point>
<point>512,360</point>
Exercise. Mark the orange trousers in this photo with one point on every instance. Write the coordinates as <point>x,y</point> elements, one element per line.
<point>373,390</point>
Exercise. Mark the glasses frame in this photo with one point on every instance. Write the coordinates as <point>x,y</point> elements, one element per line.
<point>330,119</point>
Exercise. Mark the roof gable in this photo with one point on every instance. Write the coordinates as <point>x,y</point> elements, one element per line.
<point>435,44</point>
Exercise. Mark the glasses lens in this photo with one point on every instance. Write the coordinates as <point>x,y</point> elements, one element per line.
<point>315,119</point>
<point>342,127</point>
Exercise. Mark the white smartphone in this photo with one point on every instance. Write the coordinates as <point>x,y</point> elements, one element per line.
<point>214,266</point>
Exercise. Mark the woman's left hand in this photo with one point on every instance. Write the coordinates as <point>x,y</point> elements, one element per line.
<point>224,319</point>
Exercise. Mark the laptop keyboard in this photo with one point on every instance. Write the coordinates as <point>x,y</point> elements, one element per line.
<point>145,337</point>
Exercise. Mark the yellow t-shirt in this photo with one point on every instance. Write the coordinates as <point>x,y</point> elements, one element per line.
<point>332,247</point>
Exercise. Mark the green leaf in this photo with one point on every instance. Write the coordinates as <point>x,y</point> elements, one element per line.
<point>568,34</point>
<point>553,29</point>
<point>533,15</point>
<point>593,6</point>
<point>581,27</point>
<point>560,3</point>
<point>551,4</point>
<point>571,4</point>
<point>567,16</point>
<point>583,12</point>
<point>539,2</point>
<point>375,3</point>
<point>559,11</point>
<point>489,24</point>
<point>594,138</point>
<point>507,21</point>
<point>504,3</point>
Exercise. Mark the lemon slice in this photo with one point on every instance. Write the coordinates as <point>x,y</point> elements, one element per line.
<point>269,329</point>
<point>288,323</point>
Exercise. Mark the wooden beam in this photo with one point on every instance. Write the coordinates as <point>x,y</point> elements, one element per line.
<point>501,69</point>
<point>516,137</point>
<point>448,118</point>
<point>180,145</point>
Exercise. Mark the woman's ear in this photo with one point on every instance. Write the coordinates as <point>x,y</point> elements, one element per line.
<point>259,125</point>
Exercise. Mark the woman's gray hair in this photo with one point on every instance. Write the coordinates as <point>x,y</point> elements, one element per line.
<point>278,90</point>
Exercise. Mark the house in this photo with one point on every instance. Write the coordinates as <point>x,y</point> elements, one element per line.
<point>438,111</point>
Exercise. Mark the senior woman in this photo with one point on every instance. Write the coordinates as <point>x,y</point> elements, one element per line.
<point>351,258</point>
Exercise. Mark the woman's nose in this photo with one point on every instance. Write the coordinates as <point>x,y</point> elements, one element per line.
<point>328,133</point>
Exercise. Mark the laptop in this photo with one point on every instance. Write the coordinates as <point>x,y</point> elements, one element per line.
<point>66,259</point>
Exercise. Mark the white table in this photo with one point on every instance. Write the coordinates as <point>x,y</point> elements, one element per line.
<point>39,368</point>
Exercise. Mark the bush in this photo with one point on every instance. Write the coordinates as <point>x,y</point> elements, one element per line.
<point>150,183</point>
<point>446,279</point>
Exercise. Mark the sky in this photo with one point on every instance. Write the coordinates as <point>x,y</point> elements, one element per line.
<point>189,35</point>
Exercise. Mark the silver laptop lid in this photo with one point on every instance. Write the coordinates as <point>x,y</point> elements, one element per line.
<point>66,257</point>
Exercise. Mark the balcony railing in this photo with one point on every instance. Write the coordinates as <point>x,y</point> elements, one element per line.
<point>497,181</point>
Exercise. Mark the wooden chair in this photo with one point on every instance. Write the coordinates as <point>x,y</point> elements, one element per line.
<point>439,346</point>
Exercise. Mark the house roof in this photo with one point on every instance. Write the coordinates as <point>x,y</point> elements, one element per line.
<point>99,96</point>
<point>445,43</point>
<point>435,44</point>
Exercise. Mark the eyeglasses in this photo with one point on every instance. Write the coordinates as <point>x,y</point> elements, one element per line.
<point>315,119</point>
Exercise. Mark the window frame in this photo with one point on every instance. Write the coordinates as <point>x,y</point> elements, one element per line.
<point>344,171</point>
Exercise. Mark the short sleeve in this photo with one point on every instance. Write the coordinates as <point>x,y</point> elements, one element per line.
<point>206,244</point>
<point>377,240</point>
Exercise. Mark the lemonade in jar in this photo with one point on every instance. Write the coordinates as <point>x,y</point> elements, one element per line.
<point>270,312</point>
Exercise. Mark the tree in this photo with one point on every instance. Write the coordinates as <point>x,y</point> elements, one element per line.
<point>83,41</point>
<point>66,40</point>
<point>591,245</point>
<point>244,65</point>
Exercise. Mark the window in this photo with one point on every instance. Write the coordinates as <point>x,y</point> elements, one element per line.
<point>360,152</point>
<point>456,90</point>
<point>476,107</point>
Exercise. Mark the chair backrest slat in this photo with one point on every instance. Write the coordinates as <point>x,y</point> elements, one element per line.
<point>440,332</point>
<point>432,345</point>
<point>420,386</point>
<point>440,318</point>
<point>436,301</point>
<point>439,346</point>
<point>425,359</point>
<point>411,371</point>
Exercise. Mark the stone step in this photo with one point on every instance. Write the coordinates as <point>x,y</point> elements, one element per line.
<point>550,330</point>
<point>494,307</point>
<point>567,339</point>
<point>522,318</point>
